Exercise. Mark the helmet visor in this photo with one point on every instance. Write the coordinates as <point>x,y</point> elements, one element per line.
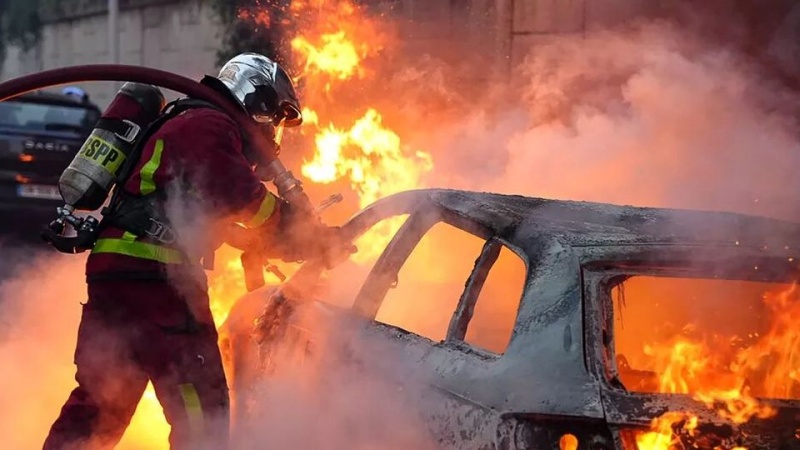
<point>274,130</point>
<point>278,134</point>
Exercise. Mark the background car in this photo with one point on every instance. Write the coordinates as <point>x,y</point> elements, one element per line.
<point>40,133</point>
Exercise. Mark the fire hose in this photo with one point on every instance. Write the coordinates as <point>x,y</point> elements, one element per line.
<point>270,169</point>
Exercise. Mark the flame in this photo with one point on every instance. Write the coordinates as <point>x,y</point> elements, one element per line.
<point>688,363</point>
<point>257,16</point>
<point>226,283</point>
<point>355,145</point>
<point>729,382</point>
<point>662,435</point>
<point>333,42</point>
<point>336,55</point>
<point>683,361</point>
<point>373,160</point>
<point>370,156</point>
<point>777,353</point>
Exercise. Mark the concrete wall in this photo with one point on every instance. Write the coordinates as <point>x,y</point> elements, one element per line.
<point>183,36</point>
<point>180,36</point>
<point>18,63</point>
<point>535,21</point>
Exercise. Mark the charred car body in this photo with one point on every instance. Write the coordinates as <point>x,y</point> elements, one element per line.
<point>520,361</point>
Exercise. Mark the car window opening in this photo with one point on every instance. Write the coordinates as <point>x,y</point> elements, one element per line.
<point>697,336</point>
<point>432,280</point>
<point>496,307</point>
<point>339,285</point>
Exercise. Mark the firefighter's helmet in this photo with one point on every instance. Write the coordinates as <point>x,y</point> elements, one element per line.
<point>263,88</point>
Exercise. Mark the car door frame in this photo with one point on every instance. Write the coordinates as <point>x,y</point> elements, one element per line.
<point>479,424</point>
<point>384,273</point>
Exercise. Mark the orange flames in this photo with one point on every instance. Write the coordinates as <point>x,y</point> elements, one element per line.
<point>661,436</point>
<point>256,15</point>
<point>333,43</point>
<point>335,49</point>
<point>337,56</point>
<point>373,160</point>
<point>369,155</point>
<point>333,46</point>
<point>728,382</point>
<point>333,40</point>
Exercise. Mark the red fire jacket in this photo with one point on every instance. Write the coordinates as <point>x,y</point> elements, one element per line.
<point>201,149</point>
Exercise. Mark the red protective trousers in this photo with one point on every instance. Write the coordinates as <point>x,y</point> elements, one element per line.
<point>132,332</point>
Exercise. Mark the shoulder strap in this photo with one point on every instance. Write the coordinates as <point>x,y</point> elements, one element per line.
<point>171,110</point>
<point>188,103</point>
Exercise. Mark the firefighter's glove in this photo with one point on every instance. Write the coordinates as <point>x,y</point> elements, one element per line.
<point>302,237</point>
<point>333,246</point>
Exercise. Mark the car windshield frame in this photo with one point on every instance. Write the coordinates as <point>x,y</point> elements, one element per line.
<point>309,272</point>
<point>33,115</point>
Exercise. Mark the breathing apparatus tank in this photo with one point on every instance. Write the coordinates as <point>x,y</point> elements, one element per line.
<point>86,183</point>
<point>101,162</point>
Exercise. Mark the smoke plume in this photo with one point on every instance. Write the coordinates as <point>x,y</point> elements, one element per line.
<point>649,116</point>
<point>336,399</point>
<point>39,312</point>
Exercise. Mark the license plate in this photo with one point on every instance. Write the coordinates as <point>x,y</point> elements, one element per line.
<point>39,191</point>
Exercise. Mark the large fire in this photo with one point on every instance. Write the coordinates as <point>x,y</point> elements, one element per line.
<point>337,56</point>
<point>331,44</point>
<point>721,373</point>
<point>376,164</point>
<point>361,149</point>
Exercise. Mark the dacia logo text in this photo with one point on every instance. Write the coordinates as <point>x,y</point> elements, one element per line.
<point>100,151</point>
<point>49,146</point>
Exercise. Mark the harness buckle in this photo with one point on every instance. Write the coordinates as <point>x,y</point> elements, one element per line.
<point>131,133</point>
<point>161,232</point>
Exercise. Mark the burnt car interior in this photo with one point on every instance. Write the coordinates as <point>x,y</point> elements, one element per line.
<point>702,329</point>
<point>441,276</point>
<point>672,329</point>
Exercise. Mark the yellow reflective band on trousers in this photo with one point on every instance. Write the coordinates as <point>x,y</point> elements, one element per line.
<point>194,409</point>
<point>265,210</point>
<point>148,185</point>
<point>139,250</point>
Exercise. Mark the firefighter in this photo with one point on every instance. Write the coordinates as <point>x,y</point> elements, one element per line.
<point>147,317</point>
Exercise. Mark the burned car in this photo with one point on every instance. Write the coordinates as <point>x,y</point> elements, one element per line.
<point>548,324</point>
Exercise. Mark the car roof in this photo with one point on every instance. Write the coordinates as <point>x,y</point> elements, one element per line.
<point>55,98</point>
<point>577,223</point>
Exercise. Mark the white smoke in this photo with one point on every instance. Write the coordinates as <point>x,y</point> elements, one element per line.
<point>648,117</point>
<point>39,313</point>
<point>351,393</point>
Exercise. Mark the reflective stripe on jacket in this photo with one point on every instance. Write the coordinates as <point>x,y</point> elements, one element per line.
<point>202,150</point>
